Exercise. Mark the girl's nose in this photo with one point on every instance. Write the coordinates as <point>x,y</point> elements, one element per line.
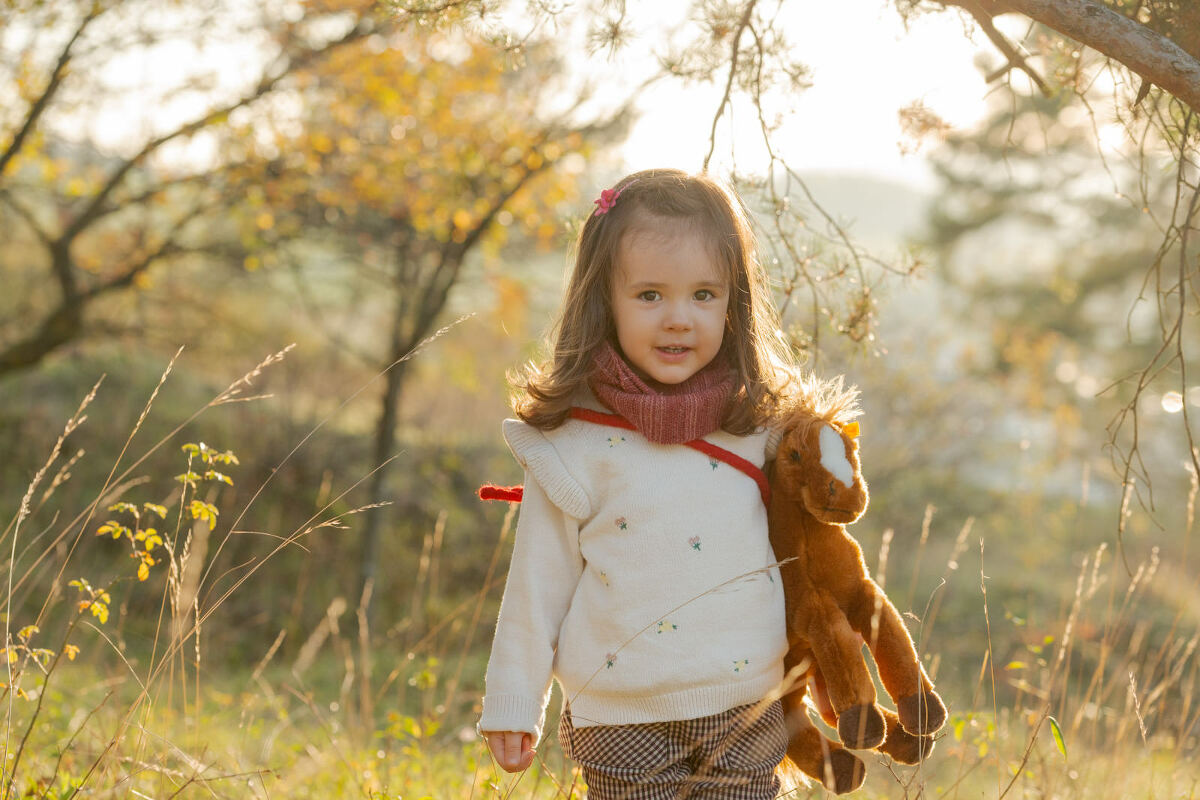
<point>677,317</point>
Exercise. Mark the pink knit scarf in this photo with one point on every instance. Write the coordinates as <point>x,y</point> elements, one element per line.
<point>663,413</point>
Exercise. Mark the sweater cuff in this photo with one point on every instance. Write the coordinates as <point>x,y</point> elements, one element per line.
<point>512,712</point>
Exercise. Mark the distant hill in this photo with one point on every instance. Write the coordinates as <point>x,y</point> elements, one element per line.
<point>877,212</point>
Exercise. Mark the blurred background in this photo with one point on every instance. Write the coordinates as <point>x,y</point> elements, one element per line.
<point>338,224</point>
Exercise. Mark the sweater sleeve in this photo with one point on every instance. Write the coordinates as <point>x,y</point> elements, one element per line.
<point>546,566</point>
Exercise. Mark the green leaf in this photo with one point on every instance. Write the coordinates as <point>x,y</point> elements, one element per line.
<point>188,478</point>
<point>156,508</point>
<point>213,475</point>
<point>1058,736</point>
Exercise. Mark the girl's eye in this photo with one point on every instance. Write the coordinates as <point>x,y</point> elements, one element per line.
<point>704,294</point>
<point>649,295</point>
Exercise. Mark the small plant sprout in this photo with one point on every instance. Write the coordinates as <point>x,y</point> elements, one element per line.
<point>142,538</point>
<point>21,653</point>
<point>95,600</point>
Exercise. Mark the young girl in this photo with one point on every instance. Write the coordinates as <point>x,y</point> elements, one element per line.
<point>641,574</point>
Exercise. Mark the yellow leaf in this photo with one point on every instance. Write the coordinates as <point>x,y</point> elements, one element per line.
<point>265,221</point>
<point>27,631</point>
<point>71,651</point>
<point>322,143</point>
<point>143,571</point>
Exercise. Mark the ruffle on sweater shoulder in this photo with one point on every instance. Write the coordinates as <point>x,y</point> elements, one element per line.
<point>774,437</point>
<point>537,455</point>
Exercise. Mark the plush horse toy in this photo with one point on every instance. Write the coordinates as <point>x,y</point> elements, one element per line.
<point>833,606</point>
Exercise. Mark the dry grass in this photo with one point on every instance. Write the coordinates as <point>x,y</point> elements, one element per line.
<point>1099,704</point>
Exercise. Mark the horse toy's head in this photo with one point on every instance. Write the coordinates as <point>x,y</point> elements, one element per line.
<point>817,466</point>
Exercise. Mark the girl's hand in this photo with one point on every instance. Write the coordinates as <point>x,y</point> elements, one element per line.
<point>513,750</point>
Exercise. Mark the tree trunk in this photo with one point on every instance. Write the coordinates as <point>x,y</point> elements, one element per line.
<point>1149,54</point>
<point>385,444</point>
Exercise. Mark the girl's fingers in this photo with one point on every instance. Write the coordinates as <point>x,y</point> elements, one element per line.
<point>513,750</point>
<point>526,751</point>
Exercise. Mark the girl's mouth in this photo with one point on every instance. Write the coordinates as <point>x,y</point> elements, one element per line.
<point>673,354</point>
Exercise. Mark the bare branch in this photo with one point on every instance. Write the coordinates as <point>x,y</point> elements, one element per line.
<point>733,63</point>
<point>1015,60</point>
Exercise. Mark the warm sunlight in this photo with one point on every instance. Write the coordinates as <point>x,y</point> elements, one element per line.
<point>864,68</point>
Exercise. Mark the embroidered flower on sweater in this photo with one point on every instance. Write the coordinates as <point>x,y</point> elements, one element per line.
<point>665,625</point>
<point>604,578</point>
<point>695,542</point>
<point>740,664</point>
<point>621,523</point>
<point>610,659</point>
<point>714,463</point>
<point>613,441</point>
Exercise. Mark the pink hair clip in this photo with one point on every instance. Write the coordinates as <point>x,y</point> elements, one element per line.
<point>608,199</point>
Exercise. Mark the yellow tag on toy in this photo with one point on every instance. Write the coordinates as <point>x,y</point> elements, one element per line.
<point>851,429</point>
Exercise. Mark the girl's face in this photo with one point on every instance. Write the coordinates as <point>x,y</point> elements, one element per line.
<point>669,298</point>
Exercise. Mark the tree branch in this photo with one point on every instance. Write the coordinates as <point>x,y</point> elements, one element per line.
<point>64,323</point>
<point>265,85</point>
<point>28,216</point>
<point>733,62</point>
<point>1147,53</point>
<point>56,78</point>
<point>983,18</point>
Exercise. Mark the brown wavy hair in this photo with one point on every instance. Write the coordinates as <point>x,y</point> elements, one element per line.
<point>763,367</point>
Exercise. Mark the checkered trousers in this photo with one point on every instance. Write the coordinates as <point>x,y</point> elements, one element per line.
<point>726,756</point>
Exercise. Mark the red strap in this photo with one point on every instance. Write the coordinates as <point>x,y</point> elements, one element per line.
<point>513,494</point>
<point>708,448</point>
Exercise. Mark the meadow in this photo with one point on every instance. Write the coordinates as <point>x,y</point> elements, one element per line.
<point>282,585</point>
<point>145,661</point>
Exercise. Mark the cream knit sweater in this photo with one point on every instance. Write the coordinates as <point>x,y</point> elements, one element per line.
<point>640,579</point>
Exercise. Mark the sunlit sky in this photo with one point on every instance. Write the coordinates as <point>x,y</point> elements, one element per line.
<point>864,67</point>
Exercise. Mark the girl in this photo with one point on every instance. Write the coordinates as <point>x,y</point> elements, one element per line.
<point>641,575</point>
